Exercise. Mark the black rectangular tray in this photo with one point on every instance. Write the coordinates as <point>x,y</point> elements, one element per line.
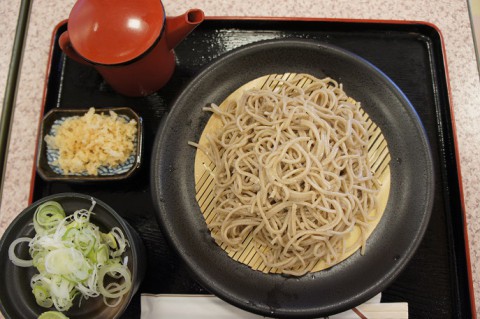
<point>436,281</point>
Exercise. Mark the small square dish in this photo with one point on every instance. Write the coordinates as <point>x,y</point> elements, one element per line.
<point>84,144</point>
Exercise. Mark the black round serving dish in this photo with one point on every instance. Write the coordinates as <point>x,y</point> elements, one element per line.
<point>323,293</point>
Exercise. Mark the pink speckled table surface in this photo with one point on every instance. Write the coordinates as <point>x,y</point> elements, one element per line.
<point>450,16</point>
<point>10,12</point>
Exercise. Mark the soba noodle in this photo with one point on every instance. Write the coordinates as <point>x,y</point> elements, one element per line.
<point>292,170</point>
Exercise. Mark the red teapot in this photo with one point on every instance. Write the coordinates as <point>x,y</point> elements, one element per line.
<point>130,43</point>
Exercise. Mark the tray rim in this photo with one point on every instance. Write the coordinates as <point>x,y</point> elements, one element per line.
<point>430,25</point>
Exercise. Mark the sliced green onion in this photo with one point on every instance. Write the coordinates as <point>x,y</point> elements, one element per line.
<point>118,290</point>
<point>39,261</point>
<point>102,254</point>
<point>110,240</point>
<point>74,258</point>
<point>85,241</point>
<point>68,262</point>
<point>105,299</point>
<point>47,216</point>
<point>42,294</point>
<point>11,253</point>
<point>52,315</point>
<point>70,234</point>
<point>122,242</point>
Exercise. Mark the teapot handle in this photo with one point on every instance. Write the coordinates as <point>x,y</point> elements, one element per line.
<point>66,46</point>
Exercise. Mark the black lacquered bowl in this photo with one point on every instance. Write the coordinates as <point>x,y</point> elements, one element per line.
<point>16,298</point>
<point>338,288</point>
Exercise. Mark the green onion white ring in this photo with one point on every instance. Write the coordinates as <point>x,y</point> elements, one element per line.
<point>11,253</point>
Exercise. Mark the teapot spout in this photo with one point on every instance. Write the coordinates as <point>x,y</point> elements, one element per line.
<point>179,27</point>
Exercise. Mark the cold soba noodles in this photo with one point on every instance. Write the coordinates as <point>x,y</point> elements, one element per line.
<point>292,172</point>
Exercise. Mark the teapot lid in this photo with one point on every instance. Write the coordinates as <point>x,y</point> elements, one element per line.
<point>113,32</point>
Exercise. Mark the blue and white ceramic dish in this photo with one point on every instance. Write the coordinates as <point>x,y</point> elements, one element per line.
<point>47,157</point>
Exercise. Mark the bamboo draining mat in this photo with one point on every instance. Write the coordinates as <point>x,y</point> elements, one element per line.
<point>379,159</point>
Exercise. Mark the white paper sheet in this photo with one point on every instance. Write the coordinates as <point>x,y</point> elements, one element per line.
<point>211,307</point>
